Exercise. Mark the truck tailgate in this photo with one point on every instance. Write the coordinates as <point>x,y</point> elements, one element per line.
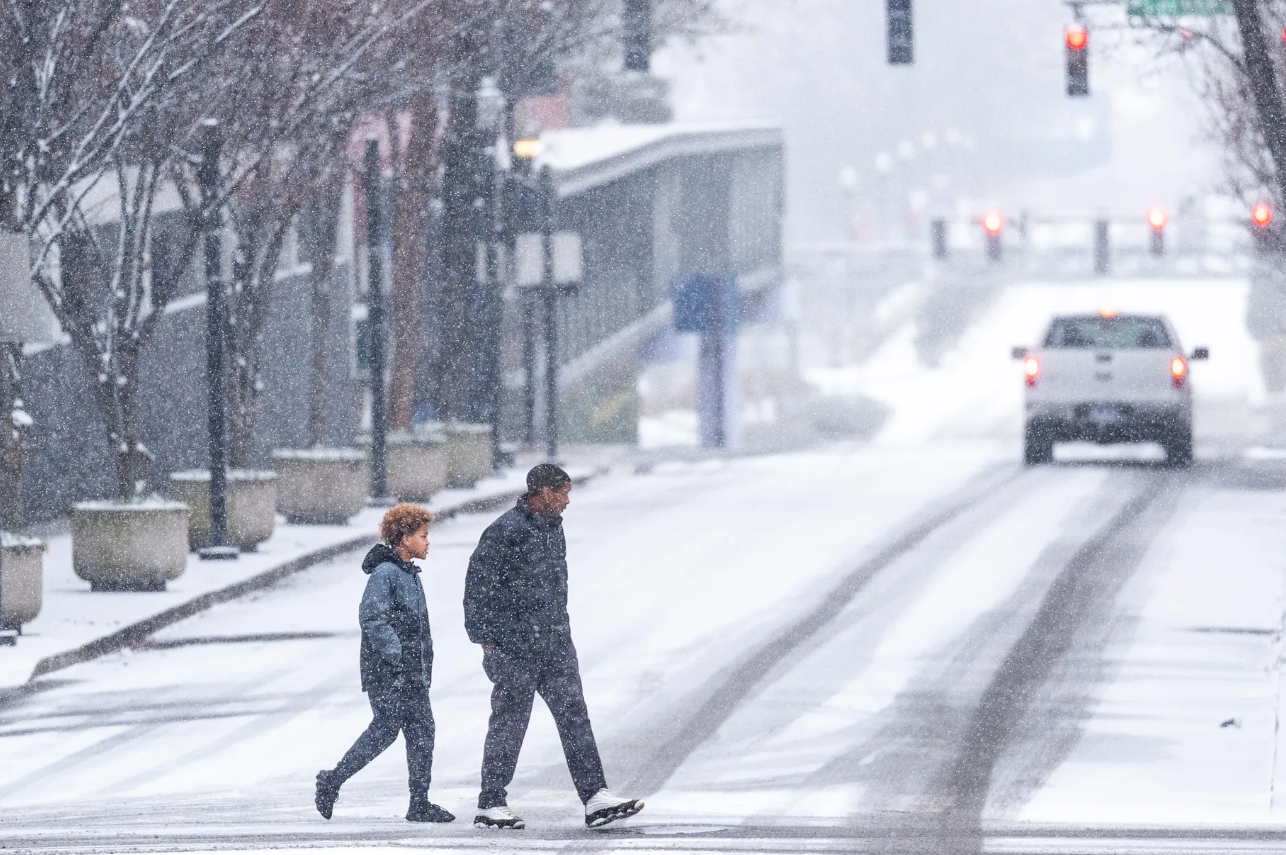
<point>1076,375</point>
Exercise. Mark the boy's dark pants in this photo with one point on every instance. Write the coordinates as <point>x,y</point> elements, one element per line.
<point>516,679</point>
<point>403,708</point>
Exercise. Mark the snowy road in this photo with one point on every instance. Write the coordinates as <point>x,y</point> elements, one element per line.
<point>913,645</point>
<point>934,667</point>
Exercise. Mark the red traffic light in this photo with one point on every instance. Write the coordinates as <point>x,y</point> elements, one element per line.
<point>993,222</point>
<point>1157,218</point>
<point>1078,38</point>
<point>1261,214</point>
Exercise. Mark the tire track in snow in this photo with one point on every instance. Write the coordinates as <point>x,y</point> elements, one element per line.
<point>132,733</point>
<point>1083,590</point>
<point>905,765</point>
<point>704,716</point>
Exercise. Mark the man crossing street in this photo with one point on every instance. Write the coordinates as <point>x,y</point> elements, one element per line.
<point>515,606</point>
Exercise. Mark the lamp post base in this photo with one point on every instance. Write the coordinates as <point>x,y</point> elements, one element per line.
<point>219,553</point>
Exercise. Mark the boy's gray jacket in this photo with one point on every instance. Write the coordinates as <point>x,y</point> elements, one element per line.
<point>396,642</point>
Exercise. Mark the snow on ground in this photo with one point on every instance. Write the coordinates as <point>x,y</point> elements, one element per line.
<point>1188,732</point>
<point>673,575</point>
<point>767,760</point>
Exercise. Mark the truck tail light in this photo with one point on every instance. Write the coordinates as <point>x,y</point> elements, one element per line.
<point>1031,367</point>
<point>1178,371</point>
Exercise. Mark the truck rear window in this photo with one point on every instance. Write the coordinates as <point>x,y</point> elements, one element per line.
<point>1121,333</point>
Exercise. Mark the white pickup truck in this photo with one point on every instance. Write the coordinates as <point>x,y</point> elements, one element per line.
<point>1108,378</point>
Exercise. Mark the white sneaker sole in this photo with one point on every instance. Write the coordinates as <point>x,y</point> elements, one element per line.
<point>600,818</point>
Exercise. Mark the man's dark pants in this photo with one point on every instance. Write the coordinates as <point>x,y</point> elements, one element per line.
<point>516,679</point>
<point>403,708</point>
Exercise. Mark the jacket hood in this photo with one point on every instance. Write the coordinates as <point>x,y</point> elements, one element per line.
<point>382,553</point>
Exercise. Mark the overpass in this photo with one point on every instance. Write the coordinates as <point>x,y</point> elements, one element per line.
<point>654,204</point>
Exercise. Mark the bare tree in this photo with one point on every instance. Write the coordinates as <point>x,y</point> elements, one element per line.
<point>296,90</point>
<point>91,127</point>
<point>1238,81</point>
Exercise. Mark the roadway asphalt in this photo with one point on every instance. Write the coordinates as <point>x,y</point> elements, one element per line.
<point>858,649</point>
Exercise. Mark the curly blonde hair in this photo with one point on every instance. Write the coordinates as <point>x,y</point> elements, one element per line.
<point>402,521</point>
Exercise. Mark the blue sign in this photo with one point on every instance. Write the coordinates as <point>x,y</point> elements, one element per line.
<point>706,303</point>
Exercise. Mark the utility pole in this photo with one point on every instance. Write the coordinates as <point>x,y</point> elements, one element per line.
<point>215,370</point>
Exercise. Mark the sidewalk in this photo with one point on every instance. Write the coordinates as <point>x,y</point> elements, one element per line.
<point>75,625</point>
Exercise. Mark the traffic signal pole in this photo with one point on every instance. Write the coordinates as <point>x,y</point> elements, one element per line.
<point>901,35</point>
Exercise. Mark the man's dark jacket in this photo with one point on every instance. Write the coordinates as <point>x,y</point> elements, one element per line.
<point>395,623</point>
<point>515,594</point>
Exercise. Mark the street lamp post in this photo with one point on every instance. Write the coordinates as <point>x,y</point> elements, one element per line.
<point>216,400</point>
<point>375,248</point>
<point>548,264</point>
<point>550,294</point>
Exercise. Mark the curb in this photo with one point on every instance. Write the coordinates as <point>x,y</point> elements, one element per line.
<point>136,632</point>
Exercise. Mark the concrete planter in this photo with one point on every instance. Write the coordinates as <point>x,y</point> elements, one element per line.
<point>21,580</point>
<point>252,506</point>
<point>417,465</point>
<point>468,449</point>
<point>129,546</point>
<point>321,486</point>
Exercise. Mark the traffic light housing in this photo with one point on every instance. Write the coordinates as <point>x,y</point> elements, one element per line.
<point>900,33</point>
<point>636,26</point>
<point>993,224</point>
<point>1077,39</point>
<point>1156,221</point>
<point>1266,238</point>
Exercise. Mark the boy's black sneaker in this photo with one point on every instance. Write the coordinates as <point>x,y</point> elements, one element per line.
<point>427,811</point>
<point>326,794</point>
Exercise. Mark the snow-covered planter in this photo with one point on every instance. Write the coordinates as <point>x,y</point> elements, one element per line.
<point>129,546</point>
<point>21,580</point>
<point>321,486</point>
<point>468,452</point>
<point>417,465</point>
<point>252,506</point>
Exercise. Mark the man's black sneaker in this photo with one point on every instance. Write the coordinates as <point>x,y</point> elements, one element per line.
<point>327,792</point>
<point>428,812</point>
<point>603,807</point>
<point>499,816</point>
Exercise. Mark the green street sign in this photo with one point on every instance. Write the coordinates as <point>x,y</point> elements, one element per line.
<point>1177,8</point>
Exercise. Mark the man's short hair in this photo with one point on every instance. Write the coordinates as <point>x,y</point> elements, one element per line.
<point>547,475</point>
<point>402,521</point>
